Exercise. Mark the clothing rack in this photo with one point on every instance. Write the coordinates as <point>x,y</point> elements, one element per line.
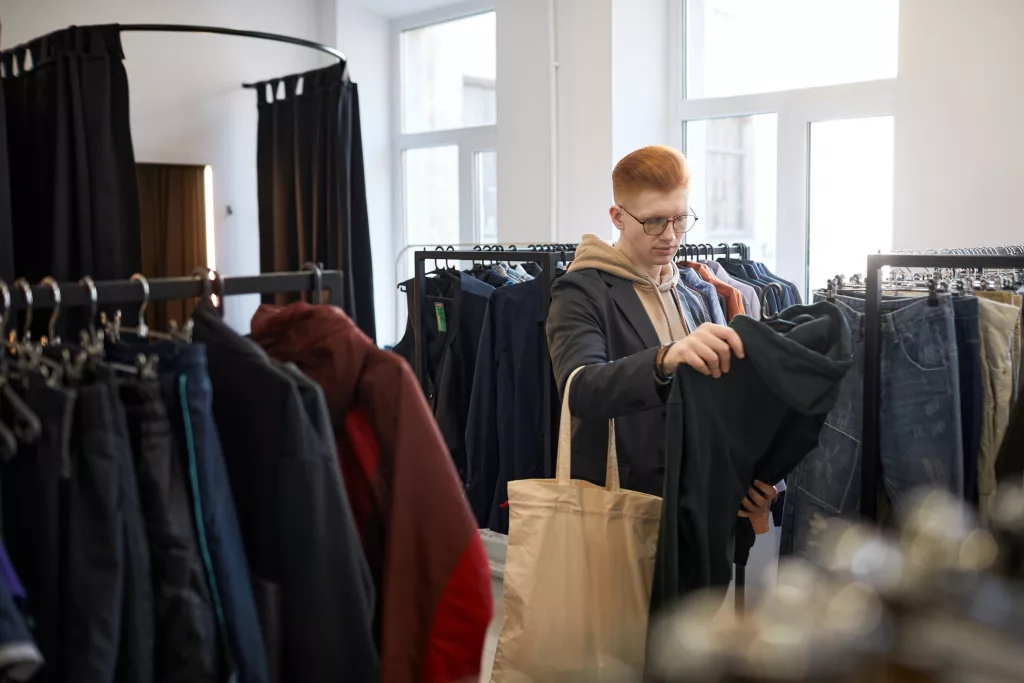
<point>548,256</point>
<point>871,434</point>
<point>260,35</point>
<point>80,294</point>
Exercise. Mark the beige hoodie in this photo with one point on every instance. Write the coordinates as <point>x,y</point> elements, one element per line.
<point>660,299</point>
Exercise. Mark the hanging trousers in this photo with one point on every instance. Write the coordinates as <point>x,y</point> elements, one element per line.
<point>186,640</point>
<point>185,385</point>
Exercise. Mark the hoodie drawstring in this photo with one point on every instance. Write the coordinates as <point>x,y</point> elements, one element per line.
<point>664,309</point>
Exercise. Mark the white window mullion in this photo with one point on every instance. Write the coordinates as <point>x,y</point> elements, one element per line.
<point>791,224</point>
<point>467,217</point>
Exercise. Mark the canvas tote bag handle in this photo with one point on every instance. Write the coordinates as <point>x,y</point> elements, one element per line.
<point>564,460</point>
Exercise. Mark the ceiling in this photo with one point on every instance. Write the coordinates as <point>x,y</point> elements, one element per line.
<point>402,8</point>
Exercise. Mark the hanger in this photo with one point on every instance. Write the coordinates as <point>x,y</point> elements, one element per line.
<point>27,425</point>
<point>764,299</point>
<point>318,280</point>
<point>51,327</point>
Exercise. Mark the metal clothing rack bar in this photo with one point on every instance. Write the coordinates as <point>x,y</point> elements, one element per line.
<point>548,261</point>
<point>871,434</point>
<point>220,30</point>
<point>74,294</point>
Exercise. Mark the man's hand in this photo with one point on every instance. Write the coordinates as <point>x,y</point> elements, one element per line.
<point>708,350</point>
<point>757,505</point>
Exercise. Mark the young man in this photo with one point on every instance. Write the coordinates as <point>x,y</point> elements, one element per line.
<point>620,313</point>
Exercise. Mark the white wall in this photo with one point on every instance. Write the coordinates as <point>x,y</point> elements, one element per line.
<point>525,167</point>
<point>611,98</point>
<point>959,129</point>
<point>365,38</point>
<point>188,106</point>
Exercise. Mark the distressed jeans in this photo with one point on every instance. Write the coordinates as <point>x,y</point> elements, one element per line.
<point>921,433</point>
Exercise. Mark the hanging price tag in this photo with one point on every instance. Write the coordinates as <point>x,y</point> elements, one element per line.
<point>442,322</point>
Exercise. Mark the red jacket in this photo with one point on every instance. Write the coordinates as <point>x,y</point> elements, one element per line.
<point>420,538</point>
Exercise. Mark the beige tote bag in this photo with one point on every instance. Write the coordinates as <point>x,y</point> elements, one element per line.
<point>578,575</point>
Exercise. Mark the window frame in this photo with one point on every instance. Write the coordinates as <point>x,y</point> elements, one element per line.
<point>469,140</point>
<point>796,111</point>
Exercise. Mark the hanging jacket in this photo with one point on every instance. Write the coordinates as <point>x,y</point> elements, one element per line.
<point>425,553</point>
<point>756,422</point>
<point>310,579</point>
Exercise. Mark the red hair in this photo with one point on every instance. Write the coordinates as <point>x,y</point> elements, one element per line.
<point>657,167</point>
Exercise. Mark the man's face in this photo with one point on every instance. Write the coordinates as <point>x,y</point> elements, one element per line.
<point>650,250</point>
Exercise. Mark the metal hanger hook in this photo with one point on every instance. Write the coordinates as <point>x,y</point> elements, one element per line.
<point>143,327</point>
<point>94,304</point>
<point>51,327</point>
<point>5,298</point>
<point>23,284</point>
<point>318,280</point>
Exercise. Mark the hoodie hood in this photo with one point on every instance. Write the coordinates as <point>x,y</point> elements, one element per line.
<point>803,354</point>
<point>594,252</point>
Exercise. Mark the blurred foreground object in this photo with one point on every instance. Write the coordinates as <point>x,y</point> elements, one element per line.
<point>939,600</point>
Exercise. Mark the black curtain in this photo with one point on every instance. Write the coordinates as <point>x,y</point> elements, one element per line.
<point>312,187</point>
<point>6,230</point>
<point>74,198</point>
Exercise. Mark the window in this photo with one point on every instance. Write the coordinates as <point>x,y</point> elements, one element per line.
<point>733,165</point>
<point>771,96</point>
<point>447,130</point>
<point>851,195</point>
<point>741,47</point>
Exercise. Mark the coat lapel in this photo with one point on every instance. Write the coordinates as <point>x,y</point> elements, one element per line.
<point>628,301</point>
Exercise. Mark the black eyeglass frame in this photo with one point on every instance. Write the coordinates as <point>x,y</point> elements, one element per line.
<point>673,220</point>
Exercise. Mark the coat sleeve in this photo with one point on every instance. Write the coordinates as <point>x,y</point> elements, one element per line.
<point>604,389</point>
<point>482,426</point>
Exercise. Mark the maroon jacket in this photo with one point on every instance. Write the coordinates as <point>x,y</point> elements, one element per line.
<point>420,538</point>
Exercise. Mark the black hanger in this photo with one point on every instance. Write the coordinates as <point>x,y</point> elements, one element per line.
<point>933,292</point>
<point>726,251</point>
<point>764,299</point>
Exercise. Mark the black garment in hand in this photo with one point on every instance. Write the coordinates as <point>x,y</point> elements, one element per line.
<point>756,422</point>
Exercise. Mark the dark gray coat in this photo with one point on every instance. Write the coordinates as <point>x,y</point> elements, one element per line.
<point>597,320</point>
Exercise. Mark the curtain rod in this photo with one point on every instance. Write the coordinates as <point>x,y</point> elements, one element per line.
<point>186,28</point>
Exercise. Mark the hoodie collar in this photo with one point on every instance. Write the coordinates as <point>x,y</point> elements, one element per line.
<point>594,252</point>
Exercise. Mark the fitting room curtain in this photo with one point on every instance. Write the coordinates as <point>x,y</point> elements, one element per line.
<point>312,188</point>
<point>172,203</point>
<point>6,231</point>
<point>74,200</point>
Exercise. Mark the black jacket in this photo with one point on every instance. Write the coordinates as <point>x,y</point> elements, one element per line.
<point>597,320</point>
<point>756,422</point>
<point>312,583</point>
<point>451,354</point>
<point>505,428</point>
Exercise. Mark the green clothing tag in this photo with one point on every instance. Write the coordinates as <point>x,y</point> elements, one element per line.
<point>442,322</point>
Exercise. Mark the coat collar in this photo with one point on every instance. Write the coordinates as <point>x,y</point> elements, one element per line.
<point>628,301</point>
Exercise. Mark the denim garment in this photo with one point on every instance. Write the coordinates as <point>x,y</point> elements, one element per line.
<point>921,442</point>
<point>187,394</point>
<point>968,347</point>
<point>707,292</point>
<point>693,303</point>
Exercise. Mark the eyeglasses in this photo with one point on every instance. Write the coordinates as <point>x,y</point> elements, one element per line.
<point>655,225</point>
